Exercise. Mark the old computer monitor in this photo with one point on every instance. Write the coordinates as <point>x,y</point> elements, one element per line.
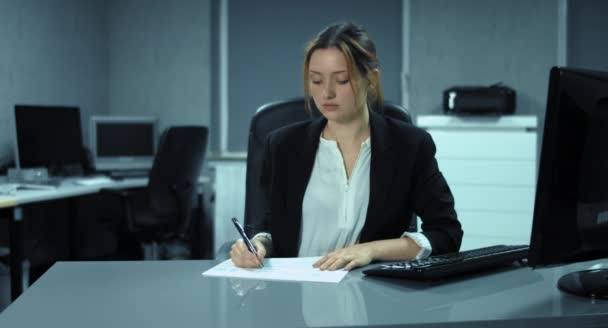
<point>571,207</point>
<point>49,137</point>
<point>120,143</point>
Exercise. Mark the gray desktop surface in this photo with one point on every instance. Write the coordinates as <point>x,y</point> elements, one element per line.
<point>72,187</point>
<point>175,294</point>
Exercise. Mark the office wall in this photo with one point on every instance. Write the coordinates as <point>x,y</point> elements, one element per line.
<point>481,42</point>
<point>266,41</point>
<point>587,34</point>
<point>51,52</point>
<point>159,60</point>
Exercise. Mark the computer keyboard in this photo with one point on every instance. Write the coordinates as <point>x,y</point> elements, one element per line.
<point>443,266</point>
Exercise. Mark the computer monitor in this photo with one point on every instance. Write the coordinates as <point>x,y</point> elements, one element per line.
<point>119,143</point>
<point>49,137</point>
<point>571,208</point>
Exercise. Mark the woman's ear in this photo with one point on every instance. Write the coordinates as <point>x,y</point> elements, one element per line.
<point>373,80</point>
<point>376,73</point>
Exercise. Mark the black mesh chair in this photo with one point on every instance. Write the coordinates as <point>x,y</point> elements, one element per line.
<point>162,213</point>
<point>268,118</point>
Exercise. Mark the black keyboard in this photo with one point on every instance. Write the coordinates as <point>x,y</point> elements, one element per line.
<point>442,266</point>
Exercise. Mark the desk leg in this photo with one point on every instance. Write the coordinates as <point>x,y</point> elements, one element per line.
<point>206,232</point>
<point>15,228</point>
<point>197,226</point>
<point>72,239</point>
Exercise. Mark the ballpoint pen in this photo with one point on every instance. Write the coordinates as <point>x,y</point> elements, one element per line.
<point>246,239</point>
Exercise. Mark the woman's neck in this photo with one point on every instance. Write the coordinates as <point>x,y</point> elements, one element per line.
<point>353,131</point>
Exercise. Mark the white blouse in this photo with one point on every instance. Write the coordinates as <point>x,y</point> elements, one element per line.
<point>335,206</point>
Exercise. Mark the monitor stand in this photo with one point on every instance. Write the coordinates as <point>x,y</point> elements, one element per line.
<point>587,283</point>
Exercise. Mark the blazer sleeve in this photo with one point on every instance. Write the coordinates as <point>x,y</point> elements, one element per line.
<point>260,221</point>
<point>434,203</point>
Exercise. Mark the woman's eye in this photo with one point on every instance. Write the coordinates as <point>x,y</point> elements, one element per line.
<point>316,81</point>
<point>343,81</point>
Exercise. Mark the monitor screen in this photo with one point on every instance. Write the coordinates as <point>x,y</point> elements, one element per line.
<point>50,137</point>
<point>571,207</point>
<point>123,143</point>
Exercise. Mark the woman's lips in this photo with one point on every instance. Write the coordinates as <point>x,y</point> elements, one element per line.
<point>330,106</point>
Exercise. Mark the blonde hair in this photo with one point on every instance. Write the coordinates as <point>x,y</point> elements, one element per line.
<point>362,63</point>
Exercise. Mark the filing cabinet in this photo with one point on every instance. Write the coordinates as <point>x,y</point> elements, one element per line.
<point>490,163</point>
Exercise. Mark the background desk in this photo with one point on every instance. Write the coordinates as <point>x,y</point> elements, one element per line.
<point>67,190</point>
<point>174,294</point>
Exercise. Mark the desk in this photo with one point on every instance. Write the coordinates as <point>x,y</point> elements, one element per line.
<point>67,189</point>
<point>174,294</point>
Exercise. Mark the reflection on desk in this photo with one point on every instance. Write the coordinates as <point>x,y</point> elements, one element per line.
<point>317,305</point>
<point>347,304</point>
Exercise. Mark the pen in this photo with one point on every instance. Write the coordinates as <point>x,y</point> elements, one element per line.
<point>248,242</point>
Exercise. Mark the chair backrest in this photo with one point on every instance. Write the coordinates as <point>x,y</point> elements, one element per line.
<point>174,174</point>
<point>268,118</point>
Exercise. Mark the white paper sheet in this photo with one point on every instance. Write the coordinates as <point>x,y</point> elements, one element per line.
<point>289,269</point>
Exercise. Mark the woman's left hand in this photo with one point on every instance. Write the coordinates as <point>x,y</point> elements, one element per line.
<point>348,258</point>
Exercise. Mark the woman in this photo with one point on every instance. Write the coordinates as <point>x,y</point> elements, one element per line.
<point>344,186</point>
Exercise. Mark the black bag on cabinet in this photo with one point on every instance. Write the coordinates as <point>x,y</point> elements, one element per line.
<point>493,100</point>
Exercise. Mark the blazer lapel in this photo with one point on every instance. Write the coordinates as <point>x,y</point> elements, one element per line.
<point>381,174</point>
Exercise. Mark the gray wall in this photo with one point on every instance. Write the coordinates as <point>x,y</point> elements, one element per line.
<point>481,42</point>
<point>587,34</point>
<point>51,52</point>
<point>156,57</point>
<point>116,57</point>
<point>159,60</point>
<point>266,47</point>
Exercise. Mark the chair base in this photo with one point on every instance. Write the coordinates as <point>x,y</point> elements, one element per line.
<point>5,278</point>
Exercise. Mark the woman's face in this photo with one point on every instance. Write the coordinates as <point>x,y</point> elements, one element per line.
<point>331,86</point>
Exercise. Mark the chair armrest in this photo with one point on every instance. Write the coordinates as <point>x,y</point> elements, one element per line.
<point>224,252</point>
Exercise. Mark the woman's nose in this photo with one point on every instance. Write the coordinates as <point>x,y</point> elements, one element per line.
<point>328,91</point>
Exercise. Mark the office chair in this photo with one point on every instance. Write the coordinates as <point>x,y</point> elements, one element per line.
<point>268,118</point>
<point>165,216</point>
<point>4,255</point>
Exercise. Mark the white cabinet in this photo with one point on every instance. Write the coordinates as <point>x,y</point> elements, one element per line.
<point>490,165</point>
<point>229,178</point>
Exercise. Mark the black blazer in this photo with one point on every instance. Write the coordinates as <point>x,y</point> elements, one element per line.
<point>404,179</point>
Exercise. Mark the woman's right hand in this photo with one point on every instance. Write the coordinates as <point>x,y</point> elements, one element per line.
<point>242,257</point>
